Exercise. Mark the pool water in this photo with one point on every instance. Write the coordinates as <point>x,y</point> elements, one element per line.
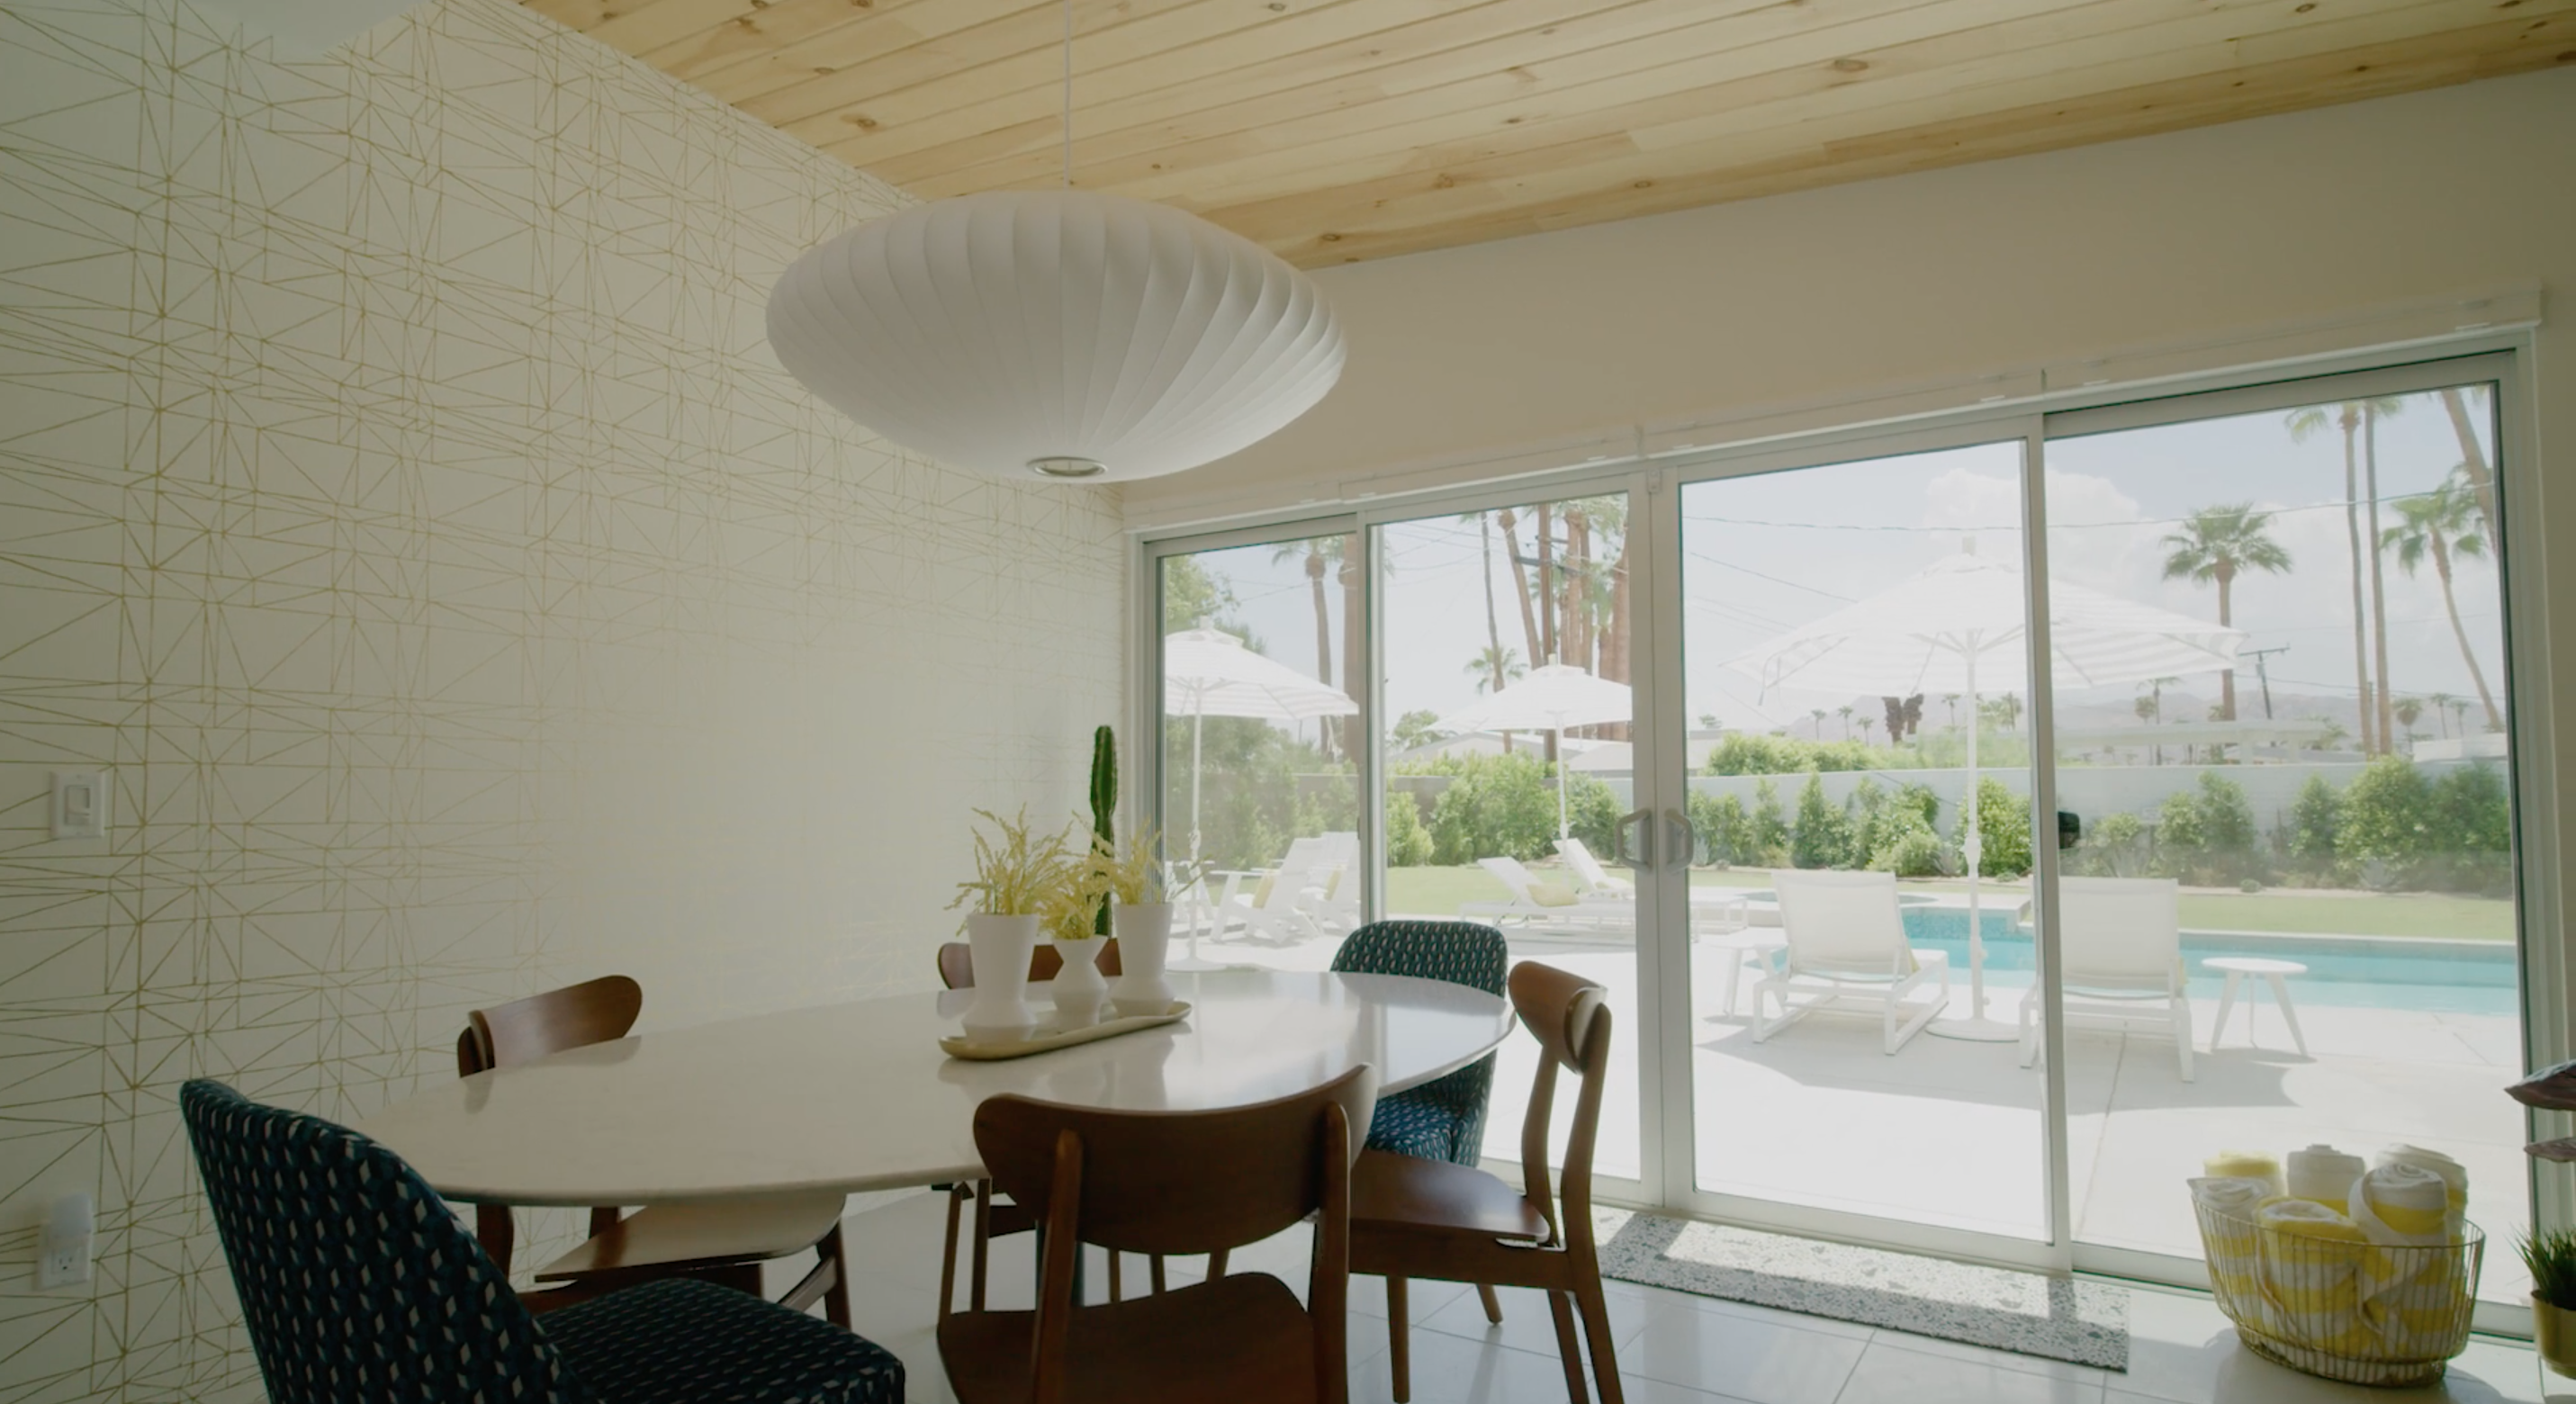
<point>2429,976</point>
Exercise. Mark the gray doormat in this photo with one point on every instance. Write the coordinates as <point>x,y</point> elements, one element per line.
<point>2028,1313</point>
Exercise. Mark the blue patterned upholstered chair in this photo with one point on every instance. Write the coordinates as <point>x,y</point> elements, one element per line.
<point>1443,1119</point>
<point>358,1284</point>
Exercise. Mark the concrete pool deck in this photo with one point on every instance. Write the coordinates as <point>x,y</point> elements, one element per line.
<point>1948,1132</point>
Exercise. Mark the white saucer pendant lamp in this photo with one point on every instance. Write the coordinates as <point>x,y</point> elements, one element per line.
<point>1057,332</point>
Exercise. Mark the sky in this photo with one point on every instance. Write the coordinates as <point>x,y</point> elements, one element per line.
<point>1764,554</point>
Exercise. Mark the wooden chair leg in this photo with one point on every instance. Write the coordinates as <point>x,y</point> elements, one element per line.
<point>1596,1333</point>
<point>983,1241</point>
<point>1216,1264</point>
<point>1570,1350</point>
<point>1155,1268</point>
<point>1493,1304</point>
<point>948,1256</point>
<point>836,1300</point>
<point>1399,1340</point>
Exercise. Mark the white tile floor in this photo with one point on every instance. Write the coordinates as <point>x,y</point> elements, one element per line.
<point>1674,1348</point>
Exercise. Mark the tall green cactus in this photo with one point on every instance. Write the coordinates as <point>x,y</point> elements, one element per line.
<point>1104,803</point>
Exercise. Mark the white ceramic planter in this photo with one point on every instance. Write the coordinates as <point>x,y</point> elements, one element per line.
<point>1144,940</point>
<point>1000,946</point>
<point>1080,989</point>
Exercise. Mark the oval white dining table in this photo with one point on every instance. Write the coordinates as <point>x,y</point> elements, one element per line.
<point>856,1097</point>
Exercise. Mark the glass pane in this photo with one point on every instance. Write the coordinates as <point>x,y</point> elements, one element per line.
<point>1260,716</point>
<point>2320,823</point>
<point>1855,657</point>
<point>1508,761</point>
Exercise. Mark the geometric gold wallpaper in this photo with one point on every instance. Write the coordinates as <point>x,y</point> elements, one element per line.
<point>398,492</point>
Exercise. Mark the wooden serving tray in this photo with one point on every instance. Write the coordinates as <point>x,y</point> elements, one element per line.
<point>1045,1039</point>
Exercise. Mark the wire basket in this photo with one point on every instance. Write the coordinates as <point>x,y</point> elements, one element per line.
<point>2362,1313</point>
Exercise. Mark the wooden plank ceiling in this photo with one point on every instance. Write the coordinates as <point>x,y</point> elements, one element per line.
<point>1336,130</point>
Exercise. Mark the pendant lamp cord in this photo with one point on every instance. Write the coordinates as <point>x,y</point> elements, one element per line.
<point>1068,94</point>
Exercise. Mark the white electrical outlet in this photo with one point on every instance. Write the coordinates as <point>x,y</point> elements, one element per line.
<point>63,1253</point>
<point>80,804</point>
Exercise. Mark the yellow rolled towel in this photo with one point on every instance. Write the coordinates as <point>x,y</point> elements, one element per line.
<point>2412,1283</point>
<point>2455,1176</point>
<point>2246,1165</point>
<point>2311,1264</point>
<point>2228,1234</point>
<point>2407,1203</point>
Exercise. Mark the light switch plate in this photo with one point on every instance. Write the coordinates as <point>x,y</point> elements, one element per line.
<point>80,804</point>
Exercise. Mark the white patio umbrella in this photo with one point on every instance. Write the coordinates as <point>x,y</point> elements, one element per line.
<point>1208,673</point>
<point>1932,632</point>
<point>1550,698</point>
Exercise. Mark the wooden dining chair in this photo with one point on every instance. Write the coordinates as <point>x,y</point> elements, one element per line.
<point>1412,1217</point>
<point>355,1283</point>
<point>724,1242</point>
<point>1171,1182</point>
<point>1001,1219</point>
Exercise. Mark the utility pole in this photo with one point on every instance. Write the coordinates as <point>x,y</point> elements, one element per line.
<point>2258,655</point>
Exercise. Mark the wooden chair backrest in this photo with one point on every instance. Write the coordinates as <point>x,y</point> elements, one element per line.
<point>957,963</point>
<point>1565,1013</point>
<point>575,1016</point>
<point>1176,1182</point>
<point>1184,1182</point>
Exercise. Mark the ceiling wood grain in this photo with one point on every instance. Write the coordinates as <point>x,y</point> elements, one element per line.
<point>1337,130</point>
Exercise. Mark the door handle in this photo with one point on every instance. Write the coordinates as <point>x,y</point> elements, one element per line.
<point>1681,840</point>
<point>1644,858</point>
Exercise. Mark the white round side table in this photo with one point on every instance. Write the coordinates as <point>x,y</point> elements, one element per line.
<point>2273,973</point>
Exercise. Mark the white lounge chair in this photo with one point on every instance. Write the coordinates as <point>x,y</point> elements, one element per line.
<point>2119,945</point>
<point>1312,894</point>
<point>1846,943</point>
<point>1546,903</point>
<point>1589,872</point>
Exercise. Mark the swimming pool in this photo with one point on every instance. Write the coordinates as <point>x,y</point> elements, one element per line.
<point>2430,976</point>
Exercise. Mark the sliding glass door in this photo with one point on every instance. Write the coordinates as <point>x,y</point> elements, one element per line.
<point>2315,835</point>
<point>1854,643</point>
<point>1757,740</point>
<point>1259,644</point>
<point>1508,637</point>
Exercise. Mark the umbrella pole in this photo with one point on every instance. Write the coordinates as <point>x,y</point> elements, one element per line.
<point>1561,830</point>
<point>1976,1027</point>
<point>1190,962</point>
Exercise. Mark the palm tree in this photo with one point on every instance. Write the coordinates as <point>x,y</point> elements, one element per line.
<point>2478,477</point>
<point>1317,563</point>
<point>2442,524</point>
<point>1509,521</point>
<point>1493,627</point>
<point>2407,710</point>
<point>1496,668</point>
<point>2442,702</point>
<point>1864,731</point>
<point>1846,714</point>
<point>2149,710</point>
<point>1950,700</point>
<point>2214,544</point>
<point>2303,424</point>
<point>1819,715</point>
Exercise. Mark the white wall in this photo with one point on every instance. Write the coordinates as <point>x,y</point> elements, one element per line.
<point>397,492</point>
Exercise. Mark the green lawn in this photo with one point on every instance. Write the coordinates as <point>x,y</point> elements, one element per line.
<point>2408,914</point>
